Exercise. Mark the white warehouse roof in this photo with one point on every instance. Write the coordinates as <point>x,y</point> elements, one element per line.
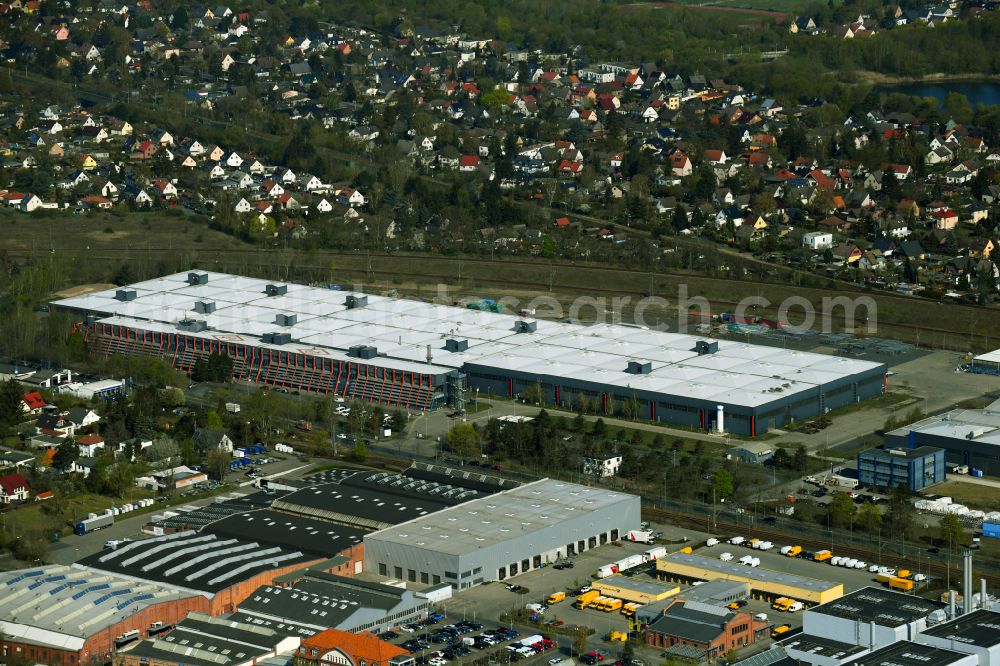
<point>402,329</point>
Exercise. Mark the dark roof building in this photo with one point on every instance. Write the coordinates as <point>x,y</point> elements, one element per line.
<point>871,616</point>
<point>908,653</point>
<point>707,628</point>
<point>977,633</point>
<point>202,640</point>
<point>319,601</point>
<point>224,569</point>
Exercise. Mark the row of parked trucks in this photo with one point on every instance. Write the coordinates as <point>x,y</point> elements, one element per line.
<point>633,561</point>
<point>898,580</point>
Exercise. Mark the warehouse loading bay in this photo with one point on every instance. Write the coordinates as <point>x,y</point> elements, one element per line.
<point>492,600</point>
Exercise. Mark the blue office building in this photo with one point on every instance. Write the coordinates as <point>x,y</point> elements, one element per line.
<point>915,468</point>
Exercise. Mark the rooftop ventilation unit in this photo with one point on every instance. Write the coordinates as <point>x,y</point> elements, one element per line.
<point>704,347</point>
<point>356,301</point>
<point>192,325</point>
<point>125,295</point>
<point>639,367</point>
<point>453,345</point>
<point>197,278</point>
<point>204,307</point>
<point>285,319</point>
<point>362,351</point>
<point>276,289</point>
<point>276,338</point>
<point>525,326</point>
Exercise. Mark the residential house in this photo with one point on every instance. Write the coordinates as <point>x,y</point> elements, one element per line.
<point>32,403</point>
<point>13,488</point>
<point>206,439</point>
<point>817,240</point>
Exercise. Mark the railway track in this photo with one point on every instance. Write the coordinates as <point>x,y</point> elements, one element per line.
<point>934,568</point>
<point>399,271</point>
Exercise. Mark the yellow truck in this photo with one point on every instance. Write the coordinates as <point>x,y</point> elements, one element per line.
<point>629,609</point>
<point>794,551</point>
<point>780,630</point>
<point>903,573</point>
<point>599,602</point>
<point>612,605</point>
<point>586,599</point>
<point>904,584</point>
<point>782,604</point>
<point>822,555</point>
<point>555,598</point>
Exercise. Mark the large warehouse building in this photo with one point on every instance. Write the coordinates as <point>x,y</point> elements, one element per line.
<point>69,616</point>
<point>421,355</point>
<point>502,535</point>
<point>763,583</point>
<point>968,436</point>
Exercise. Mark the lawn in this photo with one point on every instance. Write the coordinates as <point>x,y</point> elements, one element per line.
<point>973,495</point>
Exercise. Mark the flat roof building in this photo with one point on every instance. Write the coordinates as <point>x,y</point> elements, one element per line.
<point>316,601</point>
<point>203,640</point>
<point>501,535</point>
<point>889,467</point>
<point>968,436</point>
<point>420,356</point>
<point>977,633</point>
<point>689,567</point>
<point>871,616</point>
<point>908,653</point>
<point>635,589</point>
<point>68,615</point>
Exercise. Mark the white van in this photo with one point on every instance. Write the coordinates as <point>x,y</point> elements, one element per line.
<point>726,557</point>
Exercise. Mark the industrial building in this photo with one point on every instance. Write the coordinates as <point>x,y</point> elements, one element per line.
<point>871,616</point>
<point>968,436</point>
<point>221,567</point>
<point>977,633</point>
<point>316,601</point>
<point>501,535</point>
<point>420,356</point>
<point>763,583</point>
<point>986,364</point>
<point>635,589</point>
<point>694,630</point>
<point>72,616</point>
<point>887,467</point>
<point>202,640</point>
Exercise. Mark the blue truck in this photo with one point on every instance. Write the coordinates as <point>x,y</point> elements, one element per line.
<point>88,525</point>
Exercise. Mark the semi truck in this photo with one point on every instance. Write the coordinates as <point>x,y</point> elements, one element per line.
<point>586,599</point>
<point>94,522</point>
<point>621,565</point>
<point>903,584</point>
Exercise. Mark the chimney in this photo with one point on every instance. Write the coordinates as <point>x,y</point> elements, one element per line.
<point>984,599</point>
<point>430,357</point>
<point>967,582</point>
<point>951,604</point>
<point>720,418</point>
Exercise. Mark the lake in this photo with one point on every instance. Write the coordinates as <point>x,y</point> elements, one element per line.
<point>982,92</point>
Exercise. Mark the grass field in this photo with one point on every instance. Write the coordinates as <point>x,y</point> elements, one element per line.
<point>181,243</point>
<point>975,496</point>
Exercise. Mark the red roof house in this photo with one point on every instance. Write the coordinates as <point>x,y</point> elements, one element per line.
<point>13,488</point>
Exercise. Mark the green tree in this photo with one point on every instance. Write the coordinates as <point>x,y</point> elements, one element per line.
<point>722,482</point>
<point>463,441</point>
<point>10,402</point>
<point>869,518</point>
<point>217,464</point>
<point>599,428</point>
<point>899,517</point>
<point>67,454</point>
<point>840,510</point>
<point>951,531</point>
<point>213,421</point>
<point>360,452</point>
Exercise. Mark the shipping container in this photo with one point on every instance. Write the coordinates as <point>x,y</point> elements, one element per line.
<point>654,553</point>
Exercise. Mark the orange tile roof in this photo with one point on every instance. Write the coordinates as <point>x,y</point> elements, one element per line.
<point>359,647</point>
